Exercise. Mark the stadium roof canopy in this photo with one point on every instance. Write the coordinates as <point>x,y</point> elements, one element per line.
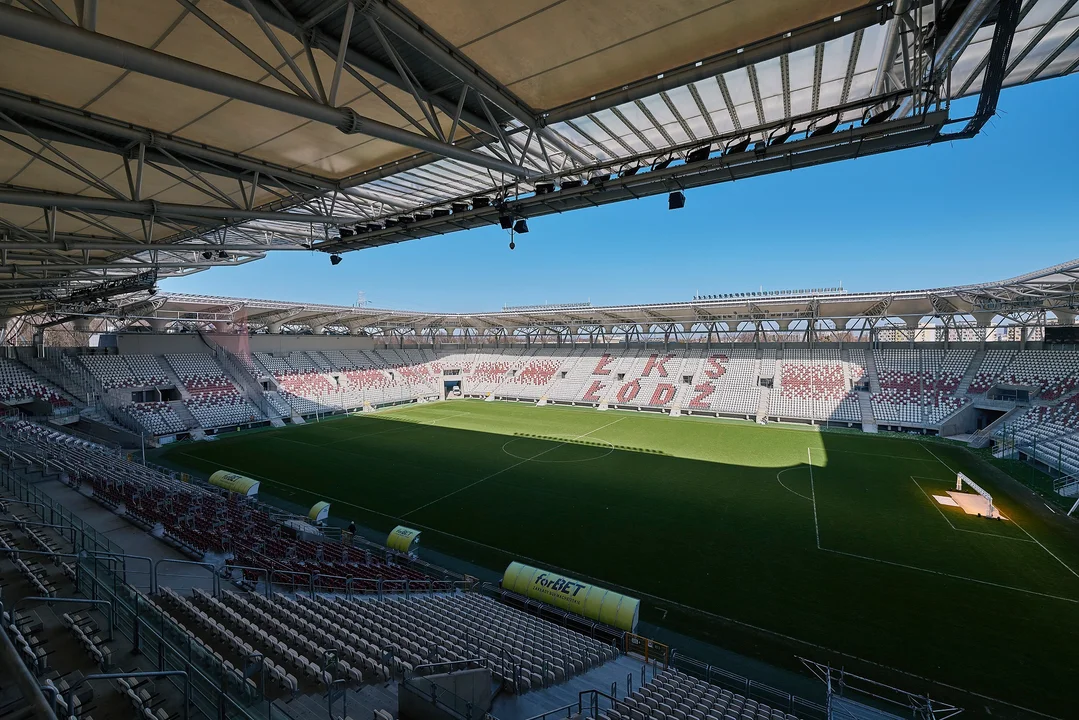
<point>1021,300</point>
<point>149,138</point>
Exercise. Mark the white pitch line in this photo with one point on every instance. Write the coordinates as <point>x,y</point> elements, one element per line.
<point>959,529</point>
<point>778,474</point>
<point>506,469</point>
<point>813,492</point>
<point>1016,523</point>
<point>950,575</point>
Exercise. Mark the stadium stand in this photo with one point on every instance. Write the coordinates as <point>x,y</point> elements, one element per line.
<point>1051,374</point>
<point>677,695</point>
<point>813,384</point>
<point>18,383</point>
<point>994,363</point>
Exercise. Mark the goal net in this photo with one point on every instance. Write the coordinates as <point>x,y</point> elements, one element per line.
<point>983,505</point>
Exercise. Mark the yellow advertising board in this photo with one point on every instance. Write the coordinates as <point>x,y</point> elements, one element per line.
<point>593,602</point>
<point>403,539</point>
<point>235,483</point>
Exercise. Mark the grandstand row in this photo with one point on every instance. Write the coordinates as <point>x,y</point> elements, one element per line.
<point>171,396</point>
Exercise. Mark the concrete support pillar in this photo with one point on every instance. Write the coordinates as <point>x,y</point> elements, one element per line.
<point>318,329</point>
<point>158,325</point>
<point>983,320</point>
<point>1064,317</point>
<point>274,328</point>
<point>221,327</point>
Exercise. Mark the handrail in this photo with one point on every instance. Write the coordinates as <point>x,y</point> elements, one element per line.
<point>452,663</point>
<point>47,600</point>
<point>152,673</point>
<point>213,571</point>
<point>24,680</point>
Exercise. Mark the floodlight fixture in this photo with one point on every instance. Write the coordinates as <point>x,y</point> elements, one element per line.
<point>521,226</point>
<point>676,200</point>
<point>505,222</point>
<point>335,259</point>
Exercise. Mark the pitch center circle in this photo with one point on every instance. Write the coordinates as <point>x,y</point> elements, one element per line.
<point>549,454</point>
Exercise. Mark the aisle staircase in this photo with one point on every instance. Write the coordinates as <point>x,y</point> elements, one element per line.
<point>871,370</point>
<point>972,370</point>
<point>762,406</point>
<point>869,421</point>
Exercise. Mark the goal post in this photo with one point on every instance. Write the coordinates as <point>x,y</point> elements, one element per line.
<point>961,480</point>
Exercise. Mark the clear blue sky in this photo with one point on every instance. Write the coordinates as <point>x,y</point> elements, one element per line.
<point>999,205</point>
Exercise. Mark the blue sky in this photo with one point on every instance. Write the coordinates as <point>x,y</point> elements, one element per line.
<point>999,205</point>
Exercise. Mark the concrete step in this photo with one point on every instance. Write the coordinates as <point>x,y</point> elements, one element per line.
<point>972,370</point>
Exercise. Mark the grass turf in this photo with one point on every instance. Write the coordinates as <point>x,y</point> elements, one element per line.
<point>827,538</point>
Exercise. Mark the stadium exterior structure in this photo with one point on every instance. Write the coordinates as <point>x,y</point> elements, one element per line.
<point>967,312</point>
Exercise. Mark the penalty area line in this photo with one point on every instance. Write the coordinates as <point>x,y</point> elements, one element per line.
<point>507,469</point>
<point>1014,522</point>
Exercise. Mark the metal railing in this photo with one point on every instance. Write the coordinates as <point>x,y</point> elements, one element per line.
<point>751,689</point>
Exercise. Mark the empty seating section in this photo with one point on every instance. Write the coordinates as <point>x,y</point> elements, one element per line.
<point>434,628</point>
<point>677,696</point>
<point>221,408</point>
<point>124,371</point>
<point>813,384</point>
<point>200,372</point>
<point>572,375</point>
<point>652,380</point>
<point>19,383</point>
<point>917,385</point>
<point>1053,374</point>
<point>157,417</point>
<point>532,380</point>
<point>992,365</point>
<point>202,519</point>
<point>724,382</point>
<point>1043,422</point>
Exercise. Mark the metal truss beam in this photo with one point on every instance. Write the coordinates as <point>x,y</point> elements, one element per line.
<point>150,208</point>
<point>81,128</point>
<point>856,142</point>
<point>768,49</point>
<point>55,35</point>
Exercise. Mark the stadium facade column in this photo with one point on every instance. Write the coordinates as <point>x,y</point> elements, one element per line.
<point>318,329</point>
<point>1064,317</point>
<point>983,320</point>
<point>220,327</point>
<point>158,324</point>
<point>274,328</point>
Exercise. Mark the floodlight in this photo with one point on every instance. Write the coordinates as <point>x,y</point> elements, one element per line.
<point>207,255</point>
<point>481,202</point>
<point>335,259</point>
<point>520,227</point>
<point>544,188</point>
<point>441,212</point>
<point>676,200</point>
<point>425,215</point>
<point>778,138</point>
<point>662,164</point>
<point>698,154</point>
<point>737,147</point>
<point>222,255</point>
<point>568,184</point>
<point>505,222</point>
<point>825,129</point>
<point>458,207</point>
<point>344,232</point>
<point>631,171</point>
<point>599,177</point>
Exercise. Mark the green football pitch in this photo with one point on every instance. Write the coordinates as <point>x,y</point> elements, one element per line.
<point>772,541</point>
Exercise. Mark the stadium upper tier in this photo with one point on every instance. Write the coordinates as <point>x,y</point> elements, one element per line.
<point>1023,300</point>
<point>220,131</point>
